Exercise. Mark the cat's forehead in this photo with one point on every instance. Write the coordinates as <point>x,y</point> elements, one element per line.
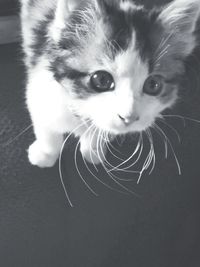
<point>119,38</point>
<point>125,29</point>
<point>126,63</point>
<point>126,40</point>
<point>125,36</point>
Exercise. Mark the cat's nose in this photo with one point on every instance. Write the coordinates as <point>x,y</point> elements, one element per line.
<point>127,120</point>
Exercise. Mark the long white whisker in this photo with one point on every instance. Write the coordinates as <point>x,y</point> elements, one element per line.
<point>169,142</point>
<point>112,153</point>
<point>182,117</point>
<point>172,128</point>
<point>148,160</point>
<point>113,167</point>
<point>163,42</point>
<point>100,181</point>
<point>138,157</point>
<point>109,174</point>
<point>77,168</point>
<point>18,136</point>
<point>132,155</point>
<point>162,54</point>
<point>60,162</point>
<point>164,140</point>
<point>104,161</point>
<point>91,149</point>
<point>153,151</point>
<point>76,165</point>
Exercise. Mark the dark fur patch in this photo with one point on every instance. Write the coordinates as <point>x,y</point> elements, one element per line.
<point>119,27</point>
<point>61,71</point>
<point>40,37</point>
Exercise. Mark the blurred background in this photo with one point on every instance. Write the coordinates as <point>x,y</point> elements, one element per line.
<point>9,21</point>
<point>8,7</point>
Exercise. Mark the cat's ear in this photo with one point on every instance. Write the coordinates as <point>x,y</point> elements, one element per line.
<point>72,4</point>
<point>65,7</point>
<point>180,17</point>
<point>107,6</point>
<point>63,10</point>
<point>182,14</point>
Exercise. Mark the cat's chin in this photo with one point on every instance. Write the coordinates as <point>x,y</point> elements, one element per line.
<point>134,128</point>
<point>115,131</point>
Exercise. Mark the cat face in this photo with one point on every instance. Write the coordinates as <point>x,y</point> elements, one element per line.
<point>123,62</point>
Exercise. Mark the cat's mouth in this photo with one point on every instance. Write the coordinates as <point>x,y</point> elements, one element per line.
<point>125,128</point>
<point>132,127</point>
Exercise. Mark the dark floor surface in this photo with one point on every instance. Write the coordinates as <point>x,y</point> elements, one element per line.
<point>161,228</point>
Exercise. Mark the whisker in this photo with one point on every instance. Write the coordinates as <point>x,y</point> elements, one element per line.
<point>170,144</point>
<point>162,54</point>
<point>99,145</point>
<point>132,155</point>
<point>91,149</point>
<point>171,127</point>
<point>77,168</point>
<point>18,136</point>
<point>114,168</point>
<point>182,117</point>
<point>109,174</point>
<point>153,151</point>
<point>106,185</point>
<point>60,163</point>
<point>148,160</point>
<point>100,181</point>
<point>112,153</point>
<point>163,42</point>
<point>122,139</point>
<point>113,147</point>
<point>138,157</point>
<point>164,140</point>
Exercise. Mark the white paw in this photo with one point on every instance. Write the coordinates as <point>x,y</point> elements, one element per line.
<point>39,158</point>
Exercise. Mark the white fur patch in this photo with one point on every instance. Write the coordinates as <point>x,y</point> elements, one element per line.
<point>62,10</point>
<point>127,5</point>
<point>181,12</point>
<point>129,73</point>
<point>48,102</point>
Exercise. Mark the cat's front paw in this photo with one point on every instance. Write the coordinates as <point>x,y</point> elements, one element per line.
<point>38,157</point>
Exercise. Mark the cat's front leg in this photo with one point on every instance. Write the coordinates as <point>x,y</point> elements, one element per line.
<point>45,150</point>
<point>93,148</point>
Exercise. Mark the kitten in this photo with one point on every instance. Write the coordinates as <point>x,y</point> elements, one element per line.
<point>98,67</point>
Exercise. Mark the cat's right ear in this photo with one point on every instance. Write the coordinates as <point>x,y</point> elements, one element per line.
<point>180,17</point>
<point>182,14</point>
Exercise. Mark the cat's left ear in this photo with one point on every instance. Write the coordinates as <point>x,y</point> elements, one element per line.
<point>180,17</point>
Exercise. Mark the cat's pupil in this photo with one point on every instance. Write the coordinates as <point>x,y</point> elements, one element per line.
<point>153,85</point>
<point>102,81</point>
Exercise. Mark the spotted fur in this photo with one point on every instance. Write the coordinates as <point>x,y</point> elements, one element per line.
<point>65,41</point>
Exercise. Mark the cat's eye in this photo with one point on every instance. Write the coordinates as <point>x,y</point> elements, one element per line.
<point>153,85</point>
<point>102,81</point>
